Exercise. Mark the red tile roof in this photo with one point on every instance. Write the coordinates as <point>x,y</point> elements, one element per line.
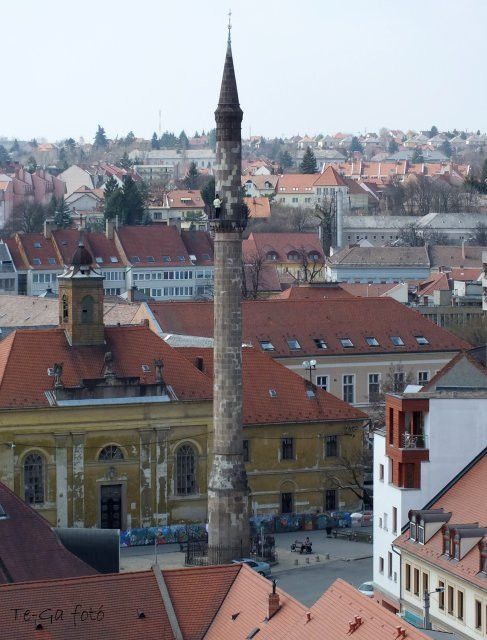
<point>331,290</point>
<point>451,256</point>
<point>464,275</point>
<point>465,499</point>
<point>330,178</point>
<point>281,244</point>
<point>37,251</point>
<point>367,290</point>
<point>185,199</point>
<point>258,207</point>
<point>199,244</point>
<point>296,183</point>
<point>156,241</point>
<point>381,256</point>
<point>290,404</point>
<point>27,354</point>
<point>438,282</point>
<point>329,319</point>
<point>29,548</point>
<point>66,241</point>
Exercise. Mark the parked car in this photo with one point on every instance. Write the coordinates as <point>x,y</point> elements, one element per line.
<point>367,588</point>
<point>261,567</point>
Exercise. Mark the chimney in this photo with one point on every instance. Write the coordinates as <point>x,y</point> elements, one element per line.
<point>131,291</point>
<point>49,227</point>
<point>109,229</point>
<point>463,250</point>
<point>273,602</point>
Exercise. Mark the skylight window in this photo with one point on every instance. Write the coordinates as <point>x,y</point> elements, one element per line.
<point>371,341</point>
<point>293,344</point>
<point>98,259</point>
<point>181,258</point>
<point>135,259</point>
<point>205,256</point>
<point>150,259</point>
<point>166,258</point>
<point>421,340</point>
<point>113,259</point>
<point>36,261</point>
<point>37,245</point>
<point>145,368</point>
<point>51,260</point>
<point>266,345</point>
<point>310,393</point>
<point>272,393</point>
<point>346,342</point>
<point>320,343</point>
<point>3,513</point>
<point>397,341</point>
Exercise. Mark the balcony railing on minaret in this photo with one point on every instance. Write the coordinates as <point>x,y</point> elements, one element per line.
<point>223,220</point>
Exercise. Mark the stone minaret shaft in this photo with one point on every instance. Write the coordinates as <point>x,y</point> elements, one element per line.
<point>228,530</point>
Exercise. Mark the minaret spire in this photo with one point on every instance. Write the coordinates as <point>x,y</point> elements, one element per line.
<point>229,27</point>
<point>228,509</point>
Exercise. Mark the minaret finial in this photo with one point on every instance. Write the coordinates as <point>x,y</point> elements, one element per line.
<point>229,27</point>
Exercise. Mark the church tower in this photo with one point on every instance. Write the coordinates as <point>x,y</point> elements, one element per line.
<point>81,300</point>
<point>228,494</point>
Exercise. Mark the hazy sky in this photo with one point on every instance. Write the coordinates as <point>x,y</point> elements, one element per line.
<point>306,66</point>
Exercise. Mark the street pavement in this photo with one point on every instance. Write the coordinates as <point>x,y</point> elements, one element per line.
<point>325,551</point>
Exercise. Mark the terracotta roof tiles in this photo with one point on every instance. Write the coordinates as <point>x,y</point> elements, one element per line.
<point>291,402</point>
<point>330,319</point>
<point>158,241</point>
<point>27,354</point>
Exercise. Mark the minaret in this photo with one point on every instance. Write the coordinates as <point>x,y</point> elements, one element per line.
<point>228,529</point>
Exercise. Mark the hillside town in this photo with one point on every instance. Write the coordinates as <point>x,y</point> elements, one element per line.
<point>243,379</point>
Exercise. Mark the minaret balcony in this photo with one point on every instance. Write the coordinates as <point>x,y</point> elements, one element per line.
<point>222,221</point>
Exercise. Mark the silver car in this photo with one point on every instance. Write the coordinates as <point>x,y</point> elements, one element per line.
<point>261,567</point>
<point>367,588</point>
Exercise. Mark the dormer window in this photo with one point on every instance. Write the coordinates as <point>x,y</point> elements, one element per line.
<point>98,259</point>
<point>420,534</point>
<point>271,255</point>
<point>412,531</point>
<point>205,256</point>
<point>113,259</point>
<point>135,259</point>
<point>293,256</point>
<point>51,260</point>
<point>36,261</point>
<point>181,258</point>
<point>166,258</point>
<point>150,259</point>
<point>37,245</point>
<point>314,256</point>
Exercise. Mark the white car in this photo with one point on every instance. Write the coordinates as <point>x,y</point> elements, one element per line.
<point>367,588</point>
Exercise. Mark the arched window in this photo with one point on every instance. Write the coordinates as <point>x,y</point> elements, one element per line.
<point>293,255</point>
<point>271,255</point>
<point>110,452</point>
<point>185,471</point>
<point>34,478</point>
<point>65,308</point>
<point>87,310</point>
<point>314,255</point>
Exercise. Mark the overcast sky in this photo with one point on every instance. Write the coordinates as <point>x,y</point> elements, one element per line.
<point>313,66</point>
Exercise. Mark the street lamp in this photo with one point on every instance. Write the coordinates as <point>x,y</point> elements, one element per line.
<point>426,606</point>
<point>310,365</point>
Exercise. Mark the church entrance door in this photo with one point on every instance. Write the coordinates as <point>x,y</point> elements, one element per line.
<point>111,506</point>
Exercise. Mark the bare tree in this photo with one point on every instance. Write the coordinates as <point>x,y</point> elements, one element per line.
<point>326,215</point>
<point>348,473</point>
<point>311,265</point>
<point>300,219</point>
<point>252,275</point>
<point>395,380</point>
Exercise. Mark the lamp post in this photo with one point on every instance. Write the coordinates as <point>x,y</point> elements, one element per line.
<point>310,365</point>
<point>426,606</point>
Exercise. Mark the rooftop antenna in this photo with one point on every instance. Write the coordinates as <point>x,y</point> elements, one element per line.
<point>229,27</point>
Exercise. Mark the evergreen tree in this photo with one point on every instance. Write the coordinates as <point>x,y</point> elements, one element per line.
<point>191,179</point>
<point>483,175</point>
<point>285,159</point>
<point>183,140</point>
<point>33,143</point>
<point>208,192</point>
<point>4,155</point>
<point>129,139</point>
<point>212,139</point>
<point>101,141</point>
<point>356,146</point>
<point>308,164</point>
<point>446,148</point>
<point>15,147</point>
<point>418,157</point>
<point>133,204</point>
<point>63,159</point>
<point>62,214</point>
<point>125,162</point>
<point>168,140</point>
<point>433,131</point>
<point>196,134</point>
<point>31,164</point>
<point>70,144</point>
<point>154,143</point>
<point>392,147</point>
<point>112,200</point>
